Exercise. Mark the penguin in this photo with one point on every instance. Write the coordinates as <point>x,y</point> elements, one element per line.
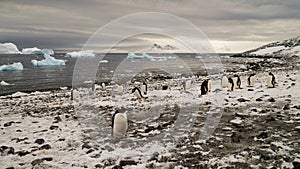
<point>119,89</point>
<point>188,84</point>
<point>230,84</point>
<point>224,81</point>
<point>271,80</point>
<point>204,87</point>
<point>137,92</point>
<point>144,88</point>
<point>103,86</point>
<point>119,123</point>
<point>208,85</point>
<point>237,81</point>
<point>251,80</point>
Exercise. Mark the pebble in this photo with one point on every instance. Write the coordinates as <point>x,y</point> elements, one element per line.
<point>39,141</point>
<point>271,99</point>
<point>127,162</point>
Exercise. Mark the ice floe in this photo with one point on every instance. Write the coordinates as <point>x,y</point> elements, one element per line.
<point>12,67</point>
<point>8,48</point>
<point>86,53</point>
<point>48,61</point>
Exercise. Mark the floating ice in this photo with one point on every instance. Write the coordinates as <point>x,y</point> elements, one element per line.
<point>86,53</point>
<point>145,56</point>
<point>3,83</point>
<point>134,56</point>
<point>12,67</point>
<point>8,48</point>
<point>34,50</point>
<point>48,61</point>
<point>103,61</point>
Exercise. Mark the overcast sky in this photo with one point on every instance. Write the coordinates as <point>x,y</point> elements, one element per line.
<point>231,25</point>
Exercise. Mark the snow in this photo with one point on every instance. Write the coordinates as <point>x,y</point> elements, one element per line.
<point>8,48</point>
<point>48,61</point>
<point>29,51</point>
<point>86,53</point>
<point>12,67</point>
<point>269,51</point>
<point>3,83</point>
<point>103,61</point>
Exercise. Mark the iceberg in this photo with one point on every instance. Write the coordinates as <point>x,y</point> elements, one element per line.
<point>103,61</point>
<point>86,53</point>
<point>48,51</point>
<point>48,61</point>
<point>12,67</point>
<point>134,56</point>
<point>3,83</point>
<point>34,50</point>
<point>8,48</point>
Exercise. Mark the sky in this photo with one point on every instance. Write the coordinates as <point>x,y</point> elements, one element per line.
<point>229,25</point>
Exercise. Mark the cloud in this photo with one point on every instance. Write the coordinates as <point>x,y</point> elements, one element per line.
<point>70,23</point>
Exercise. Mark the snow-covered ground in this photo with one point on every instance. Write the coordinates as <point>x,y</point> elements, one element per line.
<point>259,127</point>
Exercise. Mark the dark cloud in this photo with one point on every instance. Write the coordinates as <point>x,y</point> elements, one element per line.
<point>68,24</point>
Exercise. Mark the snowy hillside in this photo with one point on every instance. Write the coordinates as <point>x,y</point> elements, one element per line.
<point>286,48</point>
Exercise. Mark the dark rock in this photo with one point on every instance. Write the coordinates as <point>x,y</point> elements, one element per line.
<point>98,166</point>
<point>18,130</point>
<point>127,162</point>
<point>48,158</point>
<point>86,145</point>
<point>242,100</point>
<point>8,124</point>
<point>286,107</point>
<point>7,150</point>
<point>61,139</point>
<point>274,147</point>
<point>36,162</point>
<point>258,100</point>
<point>296,106</point>
<point>53,127</point>
<point>10,168</point>
<point>270,118</point>
<point>250,89</point>
<point>271,99</point>
<point>45,147</point>
<point>117,167</point>
<point>235,137</point>
<point>296,164</point>
<point>57,119</point>
<point>22,153</point>
<point>90,151</point>
<point>39,141</point>
<point>262,135</point>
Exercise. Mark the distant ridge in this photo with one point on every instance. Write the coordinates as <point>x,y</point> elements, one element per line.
<point>287,49</point>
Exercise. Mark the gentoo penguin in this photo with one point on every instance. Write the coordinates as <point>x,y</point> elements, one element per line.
<point>224,81</point>
<point>119,89</point>
<point>230,84</point>
<point>237,81</point>
<point>208,85</point>
<point>137,92</point>
<point>103,86</point>
<point>271,80</point>
<point>119,123</point>
<point>251,80</point>
<point>144,88</point>
<point>204,87</point>
<point>188,84</point>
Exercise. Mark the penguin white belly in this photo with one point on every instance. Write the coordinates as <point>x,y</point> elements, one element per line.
<point>188,84</point>
<point>144,89</point>
<point>229,85</point>
<point>224,81</point>
<point>209,86</point>
<point>120,90</point>
<point>137,94</point>
<point>269,81</point>
<point>120,125</point>
<point>252,81</point>
<point>235,82</point>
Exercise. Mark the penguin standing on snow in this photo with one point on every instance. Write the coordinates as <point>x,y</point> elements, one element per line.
<point>237,81</point>
<point>204,87</point>
<point>137,92</point>
<point>103,86</point>
<point>144,88</point>
<point>224,81</point>
<point>271,80</point>
<point>119,123</point>
<point>230,84</point>
<point>208,85</point>
<point>119,90</point>
<point>251,80</point>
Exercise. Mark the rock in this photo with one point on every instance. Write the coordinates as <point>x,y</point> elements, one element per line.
<point>127,162</point>
<point>47,158</point>
<point>45,147</point>
<point>86,145</point>
<point>296,106</point>
<point>39,141</point>
<point>258,100</point>
<point>10,168</point>
<point>270,118</point>
<point>242,100</point>
<point>53,127</point>
<point>8,124</point>
<point>57,119</point>
<point>98,166</point>
<point>271,99</point>
<point>236,121</point>
<point>250,89</point>
<point>36,162</point>
<point>117,167</point>
<point>286,107</point>
<point>262,135</point>
<point>235,137</point>
<point>22,153</point>
<point>4,150</point>
<point>296,164</point>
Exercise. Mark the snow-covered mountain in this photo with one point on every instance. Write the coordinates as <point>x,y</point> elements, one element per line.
<point>286,48</point>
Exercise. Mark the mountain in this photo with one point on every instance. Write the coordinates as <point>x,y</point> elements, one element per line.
<point>287,49</point>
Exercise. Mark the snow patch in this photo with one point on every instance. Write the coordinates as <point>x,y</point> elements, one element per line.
<point>3,83</point>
